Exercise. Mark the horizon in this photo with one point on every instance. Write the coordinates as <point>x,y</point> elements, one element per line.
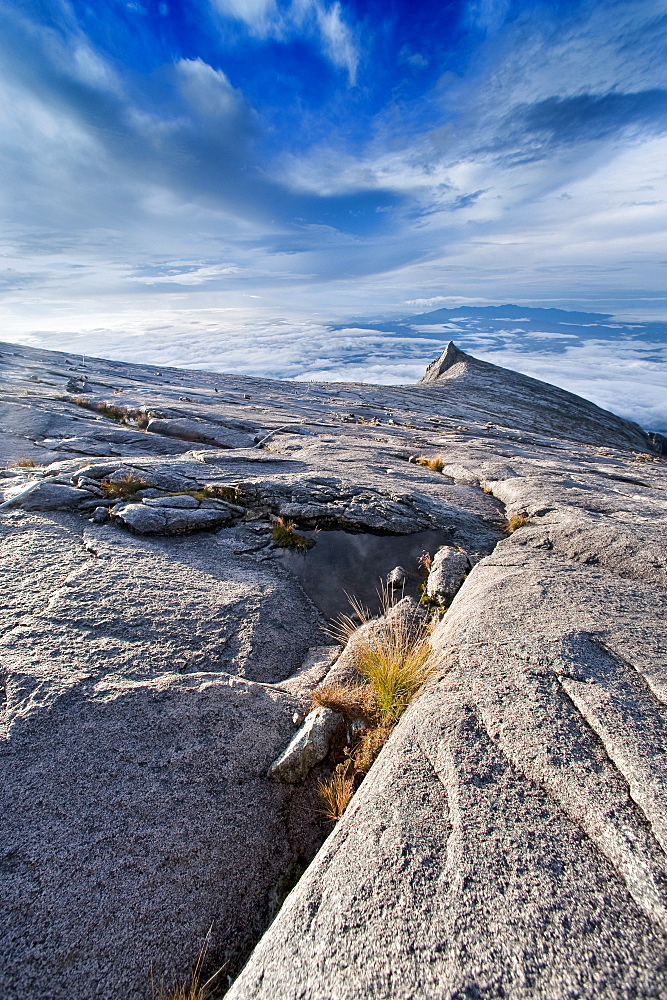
<point>268,183</point>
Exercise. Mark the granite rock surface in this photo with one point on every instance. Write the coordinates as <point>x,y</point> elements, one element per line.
<point>510,840</point>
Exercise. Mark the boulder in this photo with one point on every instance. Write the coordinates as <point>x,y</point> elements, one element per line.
<point>151,517</point>
<point>183,502</point>
<point>200,432</point>
<point>47,495</point>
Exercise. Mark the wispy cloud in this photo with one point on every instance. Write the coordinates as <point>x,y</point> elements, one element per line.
<point>315,20</point>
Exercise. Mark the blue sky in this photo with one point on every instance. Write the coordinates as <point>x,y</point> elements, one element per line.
<point>174,173</point>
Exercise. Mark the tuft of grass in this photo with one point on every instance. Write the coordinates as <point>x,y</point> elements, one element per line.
<point>514,522</point>
<point>25,463</point>
<point>336,792</point>
<point>393,656</point>
<point>123,489</point>
<point>285,535</point>
<point>435,464</point>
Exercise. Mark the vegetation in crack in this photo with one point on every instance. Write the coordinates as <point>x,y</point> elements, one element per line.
<point>120,414</point>
<point>436,463</point>
<point>230,494</point>
<point>285,535</point>
<point>124,488</point>
<point>514,522</point>
<point>394,659</point>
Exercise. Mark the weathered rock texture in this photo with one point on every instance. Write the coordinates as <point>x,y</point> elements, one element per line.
<point>447,571</point>
<point>511,839</point>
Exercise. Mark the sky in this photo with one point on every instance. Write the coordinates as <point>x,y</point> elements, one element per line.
<point>255,185</point>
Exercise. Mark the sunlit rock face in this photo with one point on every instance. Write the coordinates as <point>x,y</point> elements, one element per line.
<point>158,653</point>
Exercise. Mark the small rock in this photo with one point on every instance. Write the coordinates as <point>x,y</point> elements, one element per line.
<point>148,493</point>
<point>309,746</point>
<point>397,576</point>
<point>448,569</point>
<point>100,515</point>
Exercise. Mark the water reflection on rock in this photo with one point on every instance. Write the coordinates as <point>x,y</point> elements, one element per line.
<point>342,563</point>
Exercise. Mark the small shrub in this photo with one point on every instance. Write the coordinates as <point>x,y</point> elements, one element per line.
<point>335,792</point>
<point>285,535</point>
<point>25,463</point>
<point>514,522</point>
<point>432,603</point>
<point>435,464</point>
<point>230,494</point>
<point>123,489</point>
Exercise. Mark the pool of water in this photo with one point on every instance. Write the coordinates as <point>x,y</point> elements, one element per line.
<point>341,563</point>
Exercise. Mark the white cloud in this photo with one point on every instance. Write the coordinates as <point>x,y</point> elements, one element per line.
<point>337,38</point>
<point>207,89</point>
<point>261,16</point>
<point>311,19</point>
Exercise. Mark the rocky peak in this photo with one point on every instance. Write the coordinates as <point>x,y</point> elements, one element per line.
<point>451,356</point>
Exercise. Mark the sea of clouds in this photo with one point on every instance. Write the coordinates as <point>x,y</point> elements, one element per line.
<point>621,366</point>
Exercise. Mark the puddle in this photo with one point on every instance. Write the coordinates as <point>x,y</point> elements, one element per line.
<point>341,562</point>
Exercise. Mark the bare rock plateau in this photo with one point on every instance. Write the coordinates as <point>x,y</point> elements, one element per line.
<point>160,645</point>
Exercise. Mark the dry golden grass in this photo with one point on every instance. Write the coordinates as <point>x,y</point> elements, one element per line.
<point>285,535</point>
<point>514,522</point>
<point>123,489</point>
<point>435,464</point>
<point>354,701</point>
<point>370,743</point>
<point>25,463</point>
<point>425,562</point>
<point>335,792</point>
<point>393,655</point>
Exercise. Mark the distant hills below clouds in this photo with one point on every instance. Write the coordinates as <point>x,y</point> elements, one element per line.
<point>619,365</point>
